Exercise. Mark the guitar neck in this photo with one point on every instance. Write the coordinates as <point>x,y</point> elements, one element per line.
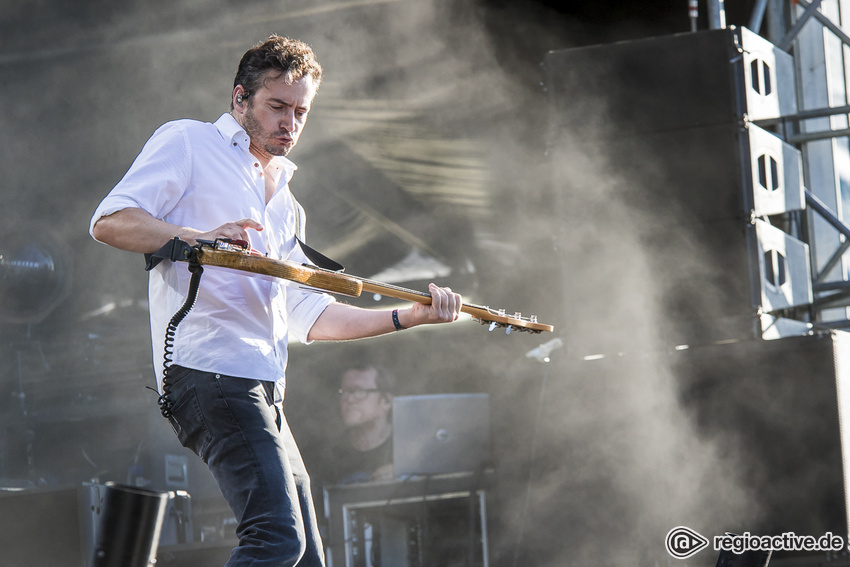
<point>352,286</point>
<point>397,292</point>
<point>481,313</point>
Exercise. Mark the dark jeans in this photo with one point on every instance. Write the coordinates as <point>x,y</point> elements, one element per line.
<point>234,425</point>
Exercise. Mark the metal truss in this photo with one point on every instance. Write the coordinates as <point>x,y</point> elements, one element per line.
<point>812,32</point>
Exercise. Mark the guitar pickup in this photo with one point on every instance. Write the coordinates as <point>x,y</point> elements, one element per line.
<point>232,244</point>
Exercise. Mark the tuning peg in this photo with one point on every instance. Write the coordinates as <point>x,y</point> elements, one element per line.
<point>492,326</point>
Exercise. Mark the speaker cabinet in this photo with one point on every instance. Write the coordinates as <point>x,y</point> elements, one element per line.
<point>42,527</point>
<point>736,437</point>
<point>660,177</point>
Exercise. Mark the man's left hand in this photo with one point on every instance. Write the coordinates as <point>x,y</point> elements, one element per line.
<point>444,308</point>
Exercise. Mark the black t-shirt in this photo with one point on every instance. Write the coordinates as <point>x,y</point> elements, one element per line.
<point>350,465</point>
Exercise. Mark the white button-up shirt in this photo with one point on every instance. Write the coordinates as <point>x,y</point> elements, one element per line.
<point>201,175</point>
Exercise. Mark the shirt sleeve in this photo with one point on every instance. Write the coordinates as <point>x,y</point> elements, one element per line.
<point>303,308</point>
<point>156,180</point>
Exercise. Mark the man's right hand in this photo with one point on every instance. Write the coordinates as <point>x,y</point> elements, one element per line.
<point>233,230</point>
<point>136,230</point>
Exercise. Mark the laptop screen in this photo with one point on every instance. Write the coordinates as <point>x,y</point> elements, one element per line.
<point>440,433</point>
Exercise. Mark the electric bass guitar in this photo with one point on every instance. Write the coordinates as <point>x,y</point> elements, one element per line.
<point>232,254</point>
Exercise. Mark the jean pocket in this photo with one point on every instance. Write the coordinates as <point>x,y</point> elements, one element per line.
<point>176,373</point>
<point>188,423</point>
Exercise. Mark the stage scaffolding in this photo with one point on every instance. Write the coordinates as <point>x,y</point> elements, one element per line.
<point>815,34</point>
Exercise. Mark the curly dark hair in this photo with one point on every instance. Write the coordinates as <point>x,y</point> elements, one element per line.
<point>291,58</point>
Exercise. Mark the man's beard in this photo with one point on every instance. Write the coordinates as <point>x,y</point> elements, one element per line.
<point>258,137</point>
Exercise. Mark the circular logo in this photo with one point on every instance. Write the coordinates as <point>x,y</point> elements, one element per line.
<point>684,542</point>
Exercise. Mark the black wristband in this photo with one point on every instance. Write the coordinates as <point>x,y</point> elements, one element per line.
<point>397,325</point>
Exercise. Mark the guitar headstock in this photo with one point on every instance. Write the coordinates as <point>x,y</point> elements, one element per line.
<point>499,319</point>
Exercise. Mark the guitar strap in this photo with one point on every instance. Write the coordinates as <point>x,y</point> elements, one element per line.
<point>300,219</point>
<point>319,259</point>
<point>312,254</point>
<point>175,250</point>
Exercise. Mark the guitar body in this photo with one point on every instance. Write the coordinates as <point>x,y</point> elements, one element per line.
<point>331,282</point>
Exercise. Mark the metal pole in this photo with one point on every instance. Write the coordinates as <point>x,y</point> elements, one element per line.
<point>716,14</point>
<point>776,21</point>
<point>805,115</point>
<point>827,214</point>
<point>810,11</point>
<point>693,13</point>
<point>812,136</point>
<point>757,16</point>
<point>829,24</point>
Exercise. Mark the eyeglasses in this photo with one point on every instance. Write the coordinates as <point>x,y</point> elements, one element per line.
<point>356,394</point>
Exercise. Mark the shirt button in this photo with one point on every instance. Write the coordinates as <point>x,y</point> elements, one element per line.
<point>256,165</point>
<point>235,144</point>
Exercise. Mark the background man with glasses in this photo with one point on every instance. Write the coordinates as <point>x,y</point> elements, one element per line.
<point>365,401</point>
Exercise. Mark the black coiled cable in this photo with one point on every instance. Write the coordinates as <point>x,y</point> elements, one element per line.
<point>165,403</point>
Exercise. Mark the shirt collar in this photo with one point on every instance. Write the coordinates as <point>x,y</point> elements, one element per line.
<point>231,130</point>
